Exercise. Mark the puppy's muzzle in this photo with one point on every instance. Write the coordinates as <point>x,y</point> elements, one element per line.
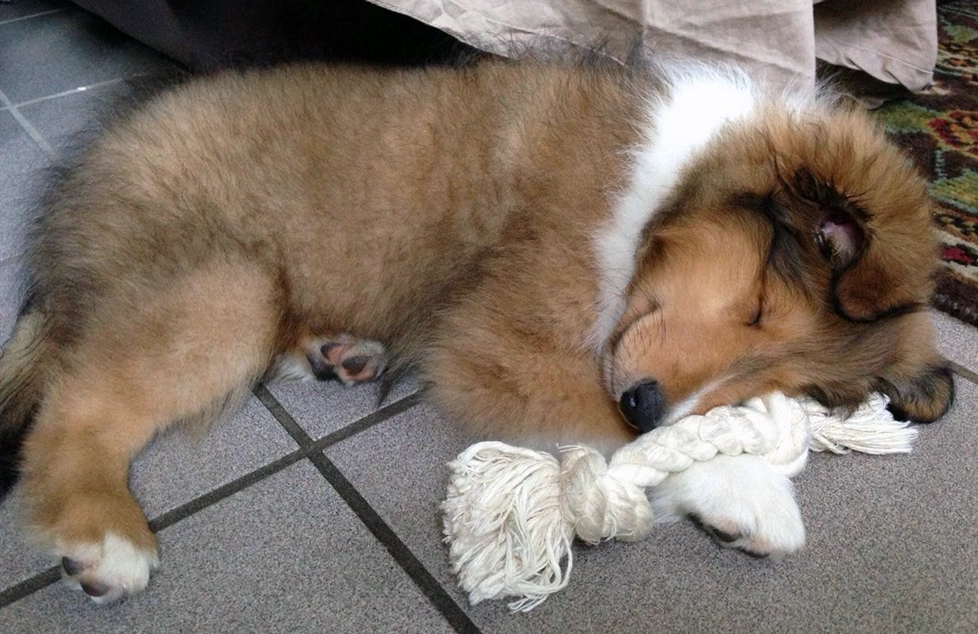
<point>643,405</point>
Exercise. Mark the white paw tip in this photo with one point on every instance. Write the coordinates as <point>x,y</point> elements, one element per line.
<point>110,570</point>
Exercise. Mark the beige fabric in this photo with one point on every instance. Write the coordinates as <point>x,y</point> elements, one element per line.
<point>893,40</point>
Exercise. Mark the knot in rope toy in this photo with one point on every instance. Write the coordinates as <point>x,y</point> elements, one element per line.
<point>512,513</point>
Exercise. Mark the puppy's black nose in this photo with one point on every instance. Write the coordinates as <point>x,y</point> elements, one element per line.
<point>643,405</point>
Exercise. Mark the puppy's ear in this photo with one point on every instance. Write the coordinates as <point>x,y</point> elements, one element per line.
<point>839,238</point>
<point>875,271</point>
<point>922,397</point>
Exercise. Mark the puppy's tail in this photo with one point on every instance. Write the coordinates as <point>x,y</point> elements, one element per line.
<point>25,363</point>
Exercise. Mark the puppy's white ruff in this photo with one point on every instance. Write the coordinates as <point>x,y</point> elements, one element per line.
<point>681,121</point>
<point>511,513</point>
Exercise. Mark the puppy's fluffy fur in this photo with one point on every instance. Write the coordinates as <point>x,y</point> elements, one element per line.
<point>547,244</point>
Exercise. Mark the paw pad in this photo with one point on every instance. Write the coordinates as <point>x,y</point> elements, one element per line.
<point>347,359</point>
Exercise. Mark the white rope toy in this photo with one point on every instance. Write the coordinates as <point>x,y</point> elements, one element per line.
<point>511,513</point>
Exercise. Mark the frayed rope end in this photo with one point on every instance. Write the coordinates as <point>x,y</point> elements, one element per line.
<point>505,532</point>
<point>870,429</point>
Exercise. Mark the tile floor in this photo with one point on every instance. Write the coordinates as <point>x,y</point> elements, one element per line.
<point>313,510</point>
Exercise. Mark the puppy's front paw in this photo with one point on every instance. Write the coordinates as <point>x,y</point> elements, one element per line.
<point>109,570</point>
<point>741,501</point>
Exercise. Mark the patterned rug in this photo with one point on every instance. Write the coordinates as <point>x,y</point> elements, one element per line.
<point>939,127</point>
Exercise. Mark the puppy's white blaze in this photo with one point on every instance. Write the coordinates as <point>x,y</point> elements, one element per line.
<point>688,404</point>
<point>679,123</point>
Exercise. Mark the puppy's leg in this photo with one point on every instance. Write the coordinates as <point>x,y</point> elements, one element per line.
<point>742,501</point>
<point>74,476</point>
<point>180,353</point>
<point>512,389</point>
<point>343,357</point>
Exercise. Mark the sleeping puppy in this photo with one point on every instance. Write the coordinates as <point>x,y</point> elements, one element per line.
<point>565,254</point>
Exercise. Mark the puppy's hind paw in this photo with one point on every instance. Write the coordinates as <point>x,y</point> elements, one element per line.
<point>109,571</point>
<point>346,358</point>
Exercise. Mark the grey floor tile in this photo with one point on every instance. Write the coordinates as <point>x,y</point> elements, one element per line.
<point>224,570</point>
<point>172,471</point>
<point>400,466</point>
<point>59,120</point>
<point>322,407</point>
<point>177,468</point>
<point>60,51</point>
<point>876,526</point>
<point>24,8</point>
<point>21,167</point>
<point>956,340</point>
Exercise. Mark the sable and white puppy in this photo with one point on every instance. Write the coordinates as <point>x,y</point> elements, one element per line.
<point>566,254</point>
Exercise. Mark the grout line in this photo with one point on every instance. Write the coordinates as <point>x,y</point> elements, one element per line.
<point>407,560</point>
<point>74,91</point>
<point>388,411</point>
<point>171,517</point>
<point>962,371</point>
<point>11,259</point>
<point>28,128</point>
<point>426,582</point>
<point>305,441</point>
<point>30,586</point>
<point>33,15</point>
<point>284,419</point>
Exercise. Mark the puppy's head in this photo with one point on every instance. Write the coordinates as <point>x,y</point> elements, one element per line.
<point>796,254</point>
